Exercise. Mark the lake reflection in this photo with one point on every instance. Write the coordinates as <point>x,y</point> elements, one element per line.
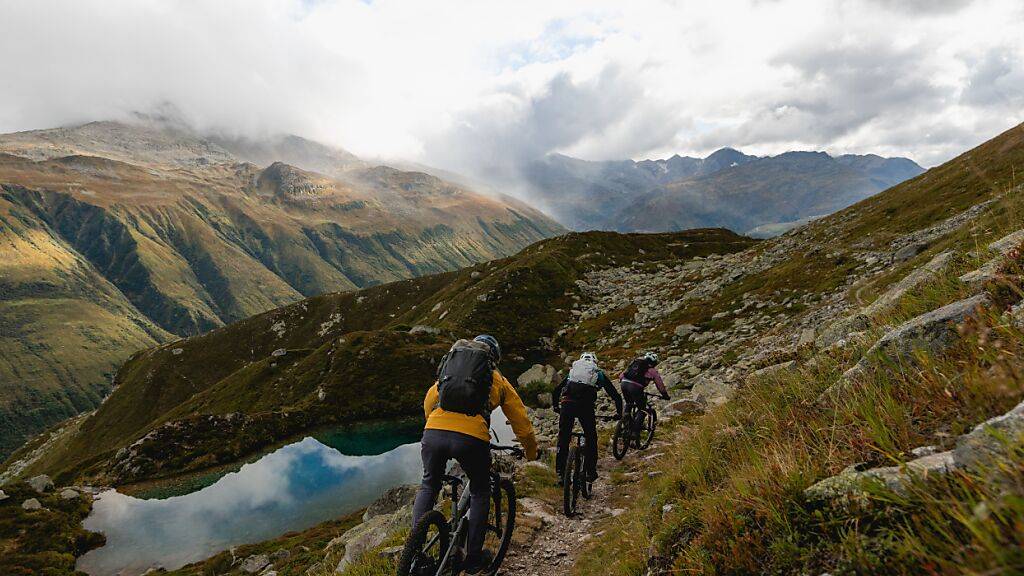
<point>293,488</point>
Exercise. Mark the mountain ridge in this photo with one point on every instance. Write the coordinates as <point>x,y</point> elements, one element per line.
<point>645,195</point>
<point>191,237</point>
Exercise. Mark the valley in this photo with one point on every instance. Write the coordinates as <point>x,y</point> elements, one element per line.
<point>119,237</point>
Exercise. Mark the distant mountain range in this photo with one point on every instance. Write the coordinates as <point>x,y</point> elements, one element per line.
<point>115,237</point>
<point>744,193</point>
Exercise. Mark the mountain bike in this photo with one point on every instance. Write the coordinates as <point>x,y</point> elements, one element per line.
<point>437,544</point>
<point>636,428</point>
<point>574,481</point>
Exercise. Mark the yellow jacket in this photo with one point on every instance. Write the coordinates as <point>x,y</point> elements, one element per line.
<point>502,394</point>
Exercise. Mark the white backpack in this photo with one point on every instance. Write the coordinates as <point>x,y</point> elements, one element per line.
<point>584,372</point>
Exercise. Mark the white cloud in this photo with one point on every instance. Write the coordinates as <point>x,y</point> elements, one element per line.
<point>478,86</point>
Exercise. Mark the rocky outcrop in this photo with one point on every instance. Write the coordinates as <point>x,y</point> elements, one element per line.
<point>538,373</point>
<point>41,483</point>
<point>382,518</point>
<point>988,441</point>
<point>861,320</point>
<point>930,332</point>
<point>991,270</point>
<point>391,501</point>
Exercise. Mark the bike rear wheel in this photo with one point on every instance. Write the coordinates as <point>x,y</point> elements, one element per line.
<point>650,424</point>
<point>425,546</point>
<point>620,440</point>
<point>570,481</point>
<point>500,523</point>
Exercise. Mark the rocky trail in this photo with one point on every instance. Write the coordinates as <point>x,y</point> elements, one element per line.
<point>553,540</point>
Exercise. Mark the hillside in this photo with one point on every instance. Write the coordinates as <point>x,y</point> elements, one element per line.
<point>727,189</point>
<point>331,358</point>
<point>117,237</point>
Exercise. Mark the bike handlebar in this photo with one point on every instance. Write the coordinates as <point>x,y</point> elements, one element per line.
<point>514,450</point>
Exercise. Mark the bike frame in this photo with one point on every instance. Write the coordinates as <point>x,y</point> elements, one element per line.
<point>460,510</point>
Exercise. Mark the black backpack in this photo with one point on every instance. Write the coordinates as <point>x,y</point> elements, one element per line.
<point>464,379</point>
<point>637,371</point>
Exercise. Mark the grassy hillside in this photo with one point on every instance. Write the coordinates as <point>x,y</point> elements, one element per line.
<point>728,494</point>
<point>340,357</point>
<point>117,237</point>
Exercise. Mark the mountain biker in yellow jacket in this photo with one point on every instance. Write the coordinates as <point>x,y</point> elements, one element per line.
<point>466,438</point>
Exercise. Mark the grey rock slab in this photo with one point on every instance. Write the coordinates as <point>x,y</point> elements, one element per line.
<point>992,438</point>
<point>391,501</point>
<point>538,373</point>
<point>930,331</point>
<point>255,563</point>
<point>712,391</point>
<point>69,494</point>
<point>370,534</point>
<point>3,496</point>
<point>916,278</point>
<point>774,371</point>
<point>41,483</point>
<point>31,504</point>
<point>1004,245</point>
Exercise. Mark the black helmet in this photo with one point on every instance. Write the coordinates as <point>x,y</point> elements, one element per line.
<point>492,343</point>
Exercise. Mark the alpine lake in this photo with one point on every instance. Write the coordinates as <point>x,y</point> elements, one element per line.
<point>321,477</point>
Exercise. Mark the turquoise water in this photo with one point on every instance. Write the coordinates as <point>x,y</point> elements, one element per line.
<point>316,479</point>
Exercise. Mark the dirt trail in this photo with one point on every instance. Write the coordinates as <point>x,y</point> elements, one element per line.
<point>551,550</point>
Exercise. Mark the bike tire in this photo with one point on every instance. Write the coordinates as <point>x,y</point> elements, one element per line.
<point>620,440</point>
<point>650,425</point>
<point>506,494</point>
<point>414,561</point>
<point>569,479</point>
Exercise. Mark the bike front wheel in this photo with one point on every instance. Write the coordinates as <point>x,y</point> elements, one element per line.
<point>425,546</point>
<point>620,440</point>
<point>500,523</point>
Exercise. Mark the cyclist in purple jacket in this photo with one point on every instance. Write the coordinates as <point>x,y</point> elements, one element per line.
<point>637,376</point>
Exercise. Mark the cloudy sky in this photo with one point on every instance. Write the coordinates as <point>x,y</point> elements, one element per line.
<point>471,85</point>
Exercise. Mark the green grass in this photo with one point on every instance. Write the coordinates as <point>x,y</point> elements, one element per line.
<point>353,348</point>
<point>47,541</point>
<point>736,477</point>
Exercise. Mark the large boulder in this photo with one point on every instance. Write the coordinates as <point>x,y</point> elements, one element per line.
<point>931,331</point>
<point>370,534</point>
<point>391,501</point>
<point>990,270</point>
<point>544,373</point>
<point>41,483</point>
<point>255,563</point>
<point>991,438</point>
<point>712,391</point>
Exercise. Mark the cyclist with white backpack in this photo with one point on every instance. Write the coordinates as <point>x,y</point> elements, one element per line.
<point>575,399</point>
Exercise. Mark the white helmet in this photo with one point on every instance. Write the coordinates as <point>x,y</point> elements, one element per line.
<point>589,356</point>
<point>651,357</point>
